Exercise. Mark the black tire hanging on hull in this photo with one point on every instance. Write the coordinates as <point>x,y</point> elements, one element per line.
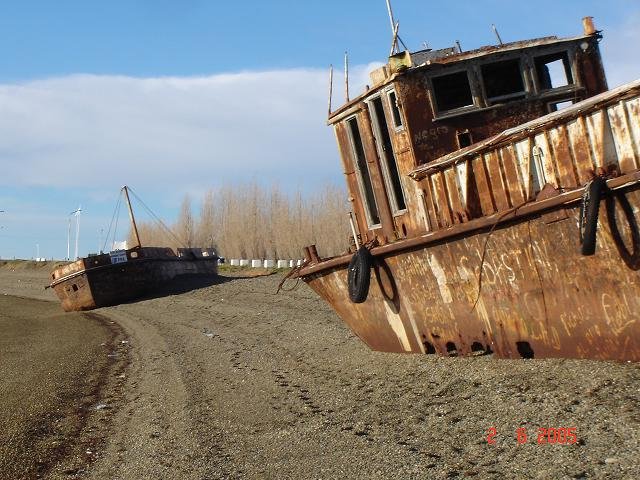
<point>631,256</point>
<point>589,209</point>
<point>359,275</point>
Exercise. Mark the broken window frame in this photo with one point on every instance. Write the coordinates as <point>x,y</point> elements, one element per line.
<point>396,111</point>
<point>569,69</point>
<point>553,106</point>
<point>438,113</point>
<point>464,134</point>
<point>369,205</point>
<point>515,96</point>
<point>395,196</point>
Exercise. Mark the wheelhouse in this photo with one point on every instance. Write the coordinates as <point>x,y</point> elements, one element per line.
<point>422,106</point>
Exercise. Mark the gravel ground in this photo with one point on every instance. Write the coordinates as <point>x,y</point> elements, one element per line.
<point>53,370</point>
<point>233,381</point>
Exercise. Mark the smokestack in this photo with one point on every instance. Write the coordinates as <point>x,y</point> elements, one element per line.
<point>588,26</point>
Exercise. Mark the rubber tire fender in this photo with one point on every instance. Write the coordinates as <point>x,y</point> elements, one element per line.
<point>359,275</point>
<point>630,256</point>
<point>589,210</point>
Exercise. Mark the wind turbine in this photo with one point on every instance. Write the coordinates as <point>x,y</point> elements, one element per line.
<point>75,213</point>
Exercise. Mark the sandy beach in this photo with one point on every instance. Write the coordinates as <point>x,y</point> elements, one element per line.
<point>233,381</point>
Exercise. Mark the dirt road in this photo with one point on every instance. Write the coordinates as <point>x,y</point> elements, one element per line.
<point>233,381</point>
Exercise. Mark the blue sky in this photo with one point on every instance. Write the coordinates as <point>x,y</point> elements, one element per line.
<point>181,96</point>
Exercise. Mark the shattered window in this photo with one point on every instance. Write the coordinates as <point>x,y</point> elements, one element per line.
<point>555,106</point>
<point>387,156</point>
<point>464,138</point>
<point>397,117</point>
<point>553,71</point>
<point>452,91</point>
<point>362,173</point>
<point>503,80</point>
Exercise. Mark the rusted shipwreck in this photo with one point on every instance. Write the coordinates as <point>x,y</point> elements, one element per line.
<point>123,275</point>
<point>495,194</point>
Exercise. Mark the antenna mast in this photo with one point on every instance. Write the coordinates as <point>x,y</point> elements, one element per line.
<point>495,30</point>
<point>133,220</point>
<point>330,86</point>
<point>391,19</point>
<point>346,76</point>
<point>394,30</point>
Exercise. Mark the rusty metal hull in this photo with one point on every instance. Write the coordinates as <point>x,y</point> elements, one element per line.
<point>447,145</point>
<point>539,296</point>
<point>94,282</point>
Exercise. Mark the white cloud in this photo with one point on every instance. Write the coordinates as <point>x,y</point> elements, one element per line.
<point>98,131</point>
<point>190,133</point>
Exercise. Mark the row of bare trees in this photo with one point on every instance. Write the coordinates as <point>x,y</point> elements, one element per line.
<point>252,221</point>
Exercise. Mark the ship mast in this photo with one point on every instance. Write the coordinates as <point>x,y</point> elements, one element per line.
<point>133,220</point>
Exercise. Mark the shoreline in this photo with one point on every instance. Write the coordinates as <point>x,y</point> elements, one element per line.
<point>94,423</point>
<point>55,369</point>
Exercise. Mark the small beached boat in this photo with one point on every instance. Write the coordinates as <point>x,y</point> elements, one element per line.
<point>495,196</point>
<point>122,275</point>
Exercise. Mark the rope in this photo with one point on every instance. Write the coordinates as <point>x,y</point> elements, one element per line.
<point>115,229</point>
<point>369,245</point>
<point>291,273</point>
<point>157,219</point>
<point>486,243</point>
<point>484,250</point>
<point>116,210</point>
<point>535,264</point>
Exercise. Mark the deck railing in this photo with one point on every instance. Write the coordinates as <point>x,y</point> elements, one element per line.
<point>564,149</point>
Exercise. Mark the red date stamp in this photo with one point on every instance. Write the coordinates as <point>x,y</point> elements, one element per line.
<point>559,436</point>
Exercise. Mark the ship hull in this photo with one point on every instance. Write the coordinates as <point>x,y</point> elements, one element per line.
<point>537,295</point>
<point>82,286</point>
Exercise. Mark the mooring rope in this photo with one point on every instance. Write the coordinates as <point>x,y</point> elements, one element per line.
<point>157,219</point>
<point>114,217</point>
<point>291,273</point>
<point>486,243</point>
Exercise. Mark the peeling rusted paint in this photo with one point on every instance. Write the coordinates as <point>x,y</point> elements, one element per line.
<point>489,258</point>
<point>94,282</point>
<point>538,293</point>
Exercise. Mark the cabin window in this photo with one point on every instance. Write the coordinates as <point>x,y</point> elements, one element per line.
<point>452,91</point>
<point>555,106</point>
<point>395,110</point>
<point>362,173</point>
<point>553,71</point>
<point>503,81</point>
<point>464,138</point>
<point>387,157</point>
